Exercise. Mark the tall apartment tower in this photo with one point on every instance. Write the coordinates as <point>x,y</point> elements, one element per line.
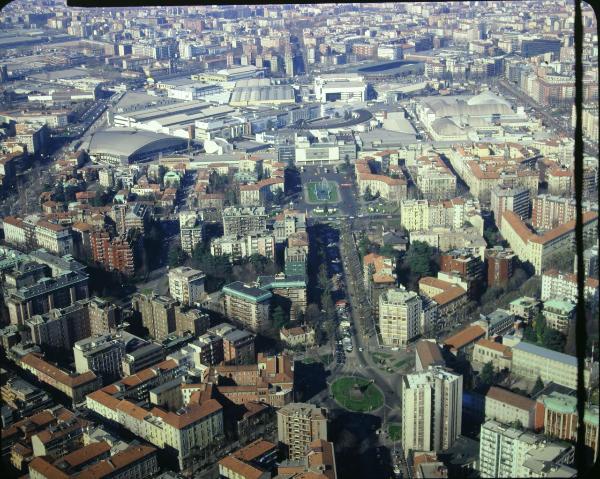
<point>299,424</point>
<point>431,409</point>
<point>103,316</point>
<point>158,314</point>
<point>509,199</point>
<point>186,285</point>
<point>399,316</point>
<point>190,226</point>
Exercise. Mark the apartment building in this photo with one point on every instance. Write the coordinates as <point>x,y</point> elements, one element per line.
<point>21,399</point>
<point>484,166</point>
<point>75,386</point>
<point>192,320</point>
<point>508,452</point>
<point>524,307</point>
<point>46,294</point>
<point>560,419</point>
<point>379,276</point>
<point>102,354</point>
<point>33,232</point>
<point>433,178</point>
<point>531,361</point>
<point>423,215</point>
<point>319,461</point>
<point>103,316</point>
<point>549,211</point>
<point>295,260</point>
<point>500,265</point>
<point>559,314</point>
<point>244,221</point>
<point>564,285</point>
<point>299,424</point>
<point>114,254</point>
<point>195,427</point>
<point>56,239</point>
<point>158,313</point>
<point>505,198</point>
<point>94,460</point>
<point>431,409</point>
<point>238,247</point>
<point>289,289</point>
<point>186,285</point>
<point>248,305</point>
<point>60,328</point>
<point>508,407</point>
<point>388,188</point>
<point>399,316</point>
<point>560,181</point>
<point>190,227</point>
<point>289,223</point>
<point>539,250</point>
<point>238,345</point>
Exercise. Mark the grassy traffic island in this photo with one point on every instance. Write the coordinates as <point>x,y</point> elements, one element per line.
<point>357,394</point>
<point>319,192</point>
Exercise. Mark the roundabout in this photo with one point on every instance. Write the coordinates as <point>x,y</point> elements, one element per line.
<point>357,394</point>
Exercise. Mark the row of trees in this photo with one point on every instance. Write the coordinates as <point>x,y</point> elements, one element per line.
<point>545,336</point>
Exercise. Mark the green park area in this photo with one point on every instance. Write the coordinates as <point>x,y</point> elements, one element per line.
<point>395,431</point>
<point>357,394</point>
<point>322,192</point>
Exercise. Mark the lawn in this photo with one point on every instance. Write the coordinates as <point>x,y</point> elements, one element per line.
<point>402,362</point>
<point>325,359</point>
<point>380,356</point>
<point>342,390</point>
<point>312,195</point>
<point>395,431</point>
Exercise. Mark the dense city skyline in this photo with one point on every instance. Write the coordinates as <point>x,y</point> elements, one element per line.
<point>298,241</point>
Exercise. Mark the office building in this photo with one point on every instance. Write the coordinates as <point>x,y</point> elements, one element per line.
<point>299,424</point>
<point>186,285</point>
<point>508,407</point>
<point>399,316</point>
<point>141,358</point>
<point>531,361</point>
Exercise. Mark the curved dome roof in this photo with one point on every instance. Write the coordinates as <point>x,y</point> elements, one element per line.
<point>127,142</point>
<point>445,126</point>
<point>487,98</point>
